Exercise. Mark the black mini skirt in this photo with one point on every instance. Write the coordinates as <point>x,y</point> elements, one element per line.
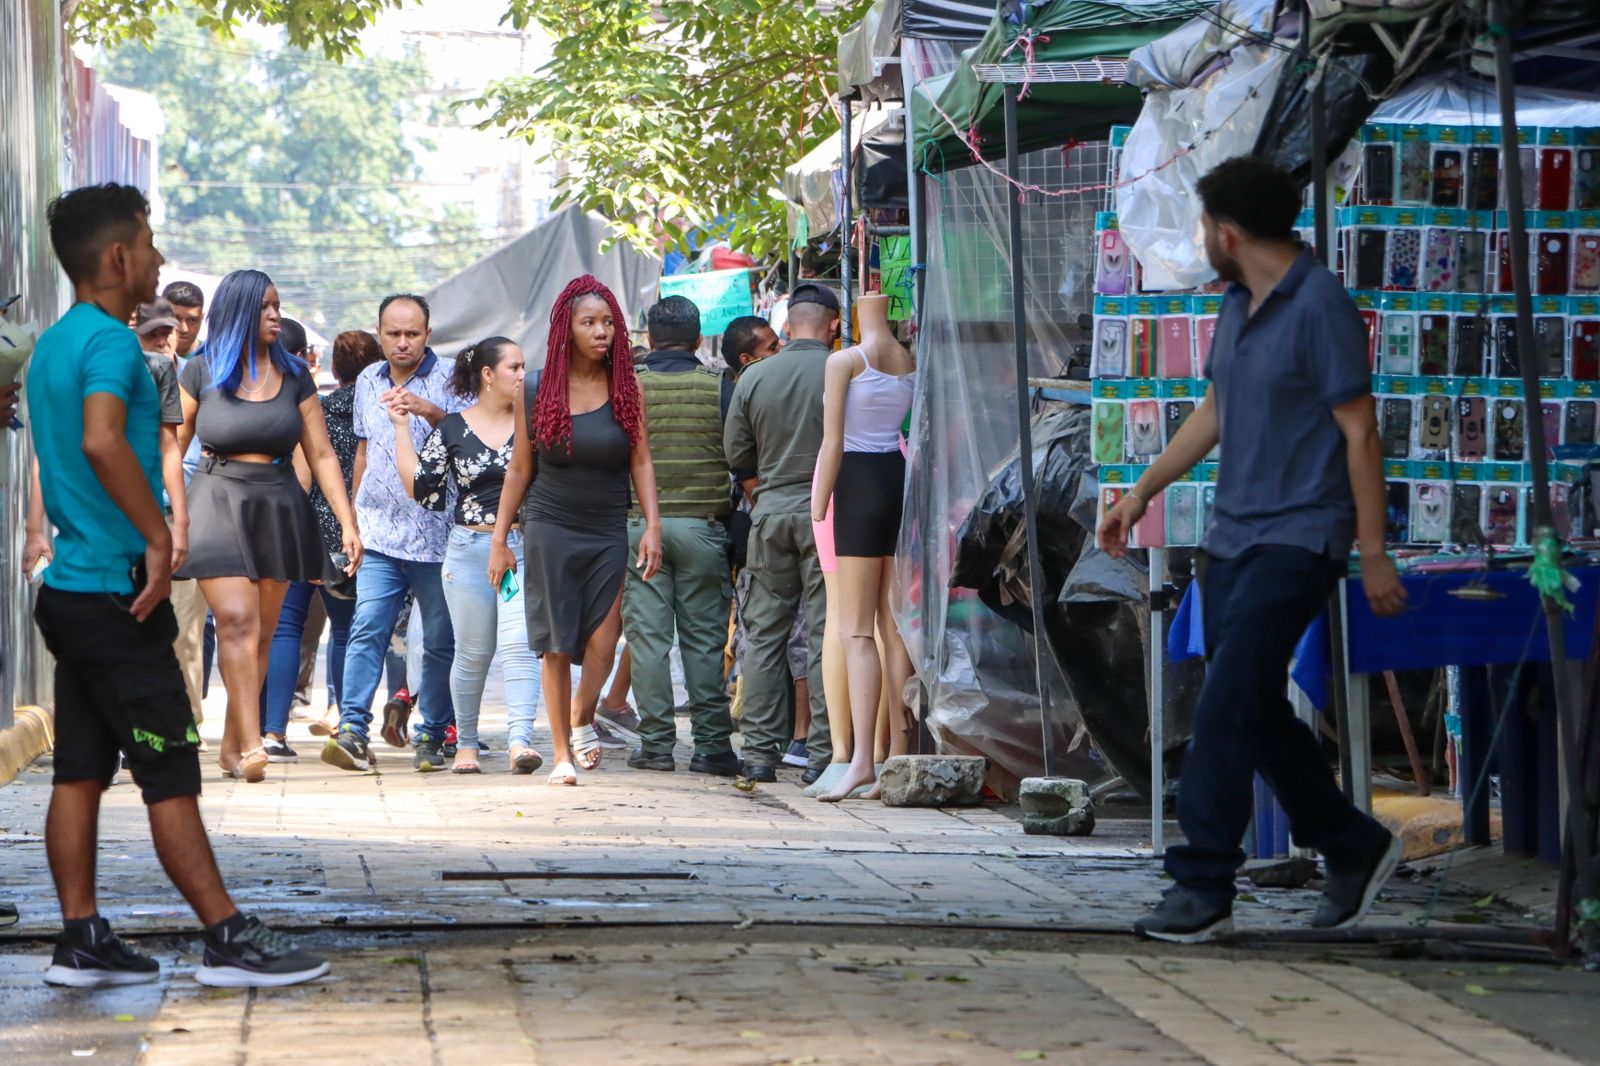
<point>867,499</point>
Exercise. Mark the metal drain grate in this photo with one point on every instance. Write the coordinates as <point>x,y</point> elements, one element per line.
<point>565,875</point>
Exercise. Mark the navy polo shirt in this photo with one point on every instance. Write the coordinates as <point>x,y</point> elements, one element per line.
<point>1276,377</point>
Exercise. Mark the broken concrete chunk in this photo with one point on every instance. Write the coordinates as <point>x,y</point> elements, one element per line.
<point>932,780</point>
<point>1280,873</point>
<point>1056,806</point>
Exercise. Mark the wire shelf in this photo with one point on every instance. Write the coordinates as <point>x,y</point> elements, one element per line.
<point>1099,69</point>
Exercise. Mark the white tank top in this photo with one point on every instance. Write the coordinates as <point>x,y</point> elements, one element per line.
<point>875,408</point>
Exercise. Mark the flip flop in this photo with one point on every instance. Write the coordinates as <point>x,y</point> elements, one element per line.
<point>462,766</point>
<point>564,774</point>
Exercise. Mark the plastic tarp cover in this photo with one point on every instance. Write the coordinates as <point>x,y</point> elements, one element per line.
<point>1454,100</point>
<point>976,666</point>
<point>1158,209</point>
<point>814,185</point>
<point>1176,60</point>
<point>862,49</point>
<point>946,20</point>
<point>883,181</point>
<point>510,291</point>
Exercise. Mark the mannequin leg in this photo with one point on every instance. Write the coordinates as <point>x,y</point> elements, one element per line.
<point>835,685</point>
<point>857,582</point>
<point>894,717</point>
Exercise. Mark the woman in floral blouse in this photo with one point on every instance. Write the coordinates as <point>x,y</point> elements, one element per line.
<point>463,462</point>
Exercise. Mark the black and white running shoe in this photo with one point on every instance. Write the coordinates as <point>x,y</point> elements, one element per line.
<point>279,750</point>
<point>95,957</point>
<point>255,956</point>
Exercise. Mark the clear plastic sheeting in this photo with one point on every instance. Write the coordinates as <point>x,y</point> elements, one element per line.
<point>977,667</point>
<point>813,185</point>
<point>1182,57</point>
<point>867,53</point>
<point>1454,100</point>
<point>1179,136</point>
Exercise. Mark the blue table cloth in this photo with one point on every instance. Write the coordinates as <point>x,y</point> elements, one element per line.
<point>1436,629</point>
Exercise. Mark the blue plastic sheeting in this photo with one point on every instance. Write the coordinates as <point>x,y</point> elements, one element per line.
<point>1438,628</point>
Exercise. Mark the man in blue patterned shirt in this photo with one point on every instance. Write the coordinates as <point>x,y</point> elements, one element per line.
<point>405,542</point>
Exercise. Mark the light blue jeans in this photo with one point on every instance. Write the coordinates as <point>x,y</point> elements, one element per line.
<point>482,622</point>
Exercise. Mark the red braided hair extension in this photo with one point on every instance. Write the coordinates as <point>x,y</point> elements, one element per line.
<point>552,409</point>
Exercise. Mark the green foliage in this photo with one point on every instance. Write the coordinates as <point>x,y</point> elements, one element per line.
<point>334,26</point>
<point>291,164</point>
<point>675,113</point>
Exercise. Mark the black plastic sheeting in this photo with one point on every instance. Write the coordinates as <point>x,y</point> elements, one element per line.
<point>1097,619</point>
<point>946,20</point>
<point>882,158</point>
<point>1286,133</point>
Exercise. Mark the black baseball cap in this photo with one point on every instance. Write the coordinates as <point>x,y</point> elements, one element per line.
<point>810,292</point>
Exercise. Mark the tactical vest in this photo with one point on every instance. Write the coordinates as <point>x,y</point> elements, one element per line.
<point>684,413</point>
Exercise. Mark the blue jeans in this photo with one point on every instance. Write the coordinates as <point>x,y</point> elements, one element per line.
<point>283,662</point>
<point>381,586</point>
<point>483,621</point>
<point>1255,608</point>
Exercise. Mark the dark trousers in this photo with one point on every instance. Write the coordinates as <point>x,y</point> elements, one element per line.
<point>1256,607</point>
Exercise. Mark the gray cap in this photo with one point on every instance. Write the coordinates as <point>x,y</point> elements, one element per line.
<point>157,314</point>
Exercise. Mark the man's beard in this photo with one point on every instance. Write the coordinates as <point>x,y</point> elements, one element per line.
<point>1227,268</point>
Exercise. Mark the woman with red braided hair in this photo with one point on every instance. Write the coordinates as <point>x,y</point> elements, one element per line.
<point>581,440</point>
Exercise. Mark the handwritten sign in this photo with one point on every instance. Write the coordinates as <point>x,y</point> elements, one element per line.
<point>721,296</point>
<point>894,263</point>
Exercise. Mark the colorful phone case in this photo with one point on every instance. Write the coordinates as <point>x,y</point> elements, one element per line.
<point>1578,422</point>
<point>1550,343</point>
<point>1111,271</point>
<point>1552,263</point>
<point>1141,347</point>
<point>1506,361</point>
<point>1433,431</point>
<point>1466,514</point>
<point>1208,505</point>
<point>1447,175</point>
<point>1205,331</point>
<point>1471,427</point>
<point>1399,339</point>
<point>1483,179</point>
<point>1468,357</point>
<point>1510,436</point>
<point>1438,260</point>
<point>1527,158</point>
<point>1371,320</point>
<point>1560,512</point>
<point>1110,348</point>
<point>1586,180</point>
<point>1176,413</point>
<point>1585,333</point>
<point>1108,432</point>
<point>1372,246</point>
<point>1177,348</point>
<point>1110,496</point>
<point>1500,528</point>
<point>1430,512</point>
<point>1377,174</point>
<point>1143,432</point>
<point>1550,422</point>
<point>1586,262</point>
<point>1398,526</point>
<point>1433,345</point>
<point>1405,255</point>
<point>1555,179</point>
<point>1471,250</point>
<point>1502,247</point>
<point>1397,427</point>
<point>1416,171</point>
<point>1150,531</point>
<point>1183,516</point>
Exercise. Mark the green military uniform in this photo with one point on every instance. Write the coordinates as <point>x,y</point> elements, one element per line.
<point>774,426</point>
<point>691,595</point>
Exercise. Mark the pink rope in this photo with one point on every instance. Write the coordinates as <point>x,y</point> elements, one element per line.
<point>1026,41</point>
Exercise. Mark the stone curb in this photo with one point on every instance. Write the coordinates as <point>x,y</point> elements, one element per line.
<point>32,734</point>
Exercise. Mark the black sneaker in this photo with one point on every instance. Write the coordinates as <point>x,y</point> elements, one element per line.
<point>1185,917</point>
<point>796,755</point>
<point>430,755</point>
<point>94,957</point>
<point>645,760</point>
<point>255,956</point>
<point>279,750</point>
<point>726,764</point>
<point>609,738</point>
<point>811,775</point>
<point>8,914</point>
<point>396,713</point>
<point>1350,890</point>
<point>347,751</point>
<point>761,775</point>
<point>449,748</point>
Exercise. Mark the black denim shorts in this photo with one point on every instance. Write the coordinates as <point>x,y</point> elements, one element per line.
<point>119,691</point>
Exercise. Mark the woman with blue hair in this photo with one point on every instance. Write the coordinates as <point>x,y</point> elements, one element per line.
<point>252,528</point>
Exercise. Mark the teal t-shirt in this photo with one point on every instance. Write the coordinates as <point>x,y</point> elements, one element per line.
<point>87,352</point>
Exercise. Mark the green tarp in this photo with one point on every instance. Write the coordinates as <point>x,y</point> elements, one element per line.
<point>1054,112</point>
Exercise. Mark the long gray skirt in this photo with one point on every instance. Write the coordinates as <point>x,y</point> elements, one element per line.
<point>251,520</point>
<point>571,578</point>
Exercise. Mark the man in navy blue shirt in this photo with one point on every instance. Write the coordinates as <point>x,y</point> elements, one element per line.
<point>1301,476</point>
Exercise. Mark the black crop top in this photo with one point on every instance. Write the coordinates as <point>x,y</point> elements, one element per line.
<point>228,425</point>
<point>454,450</point>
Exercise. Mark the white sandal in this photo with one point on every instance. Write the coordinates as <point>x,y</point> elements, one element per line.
<point>564,774</point>
<point>586,746</point>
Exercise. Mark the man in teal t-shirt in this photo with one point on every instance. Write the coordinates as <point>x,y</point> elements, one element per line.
<point>105,616</point>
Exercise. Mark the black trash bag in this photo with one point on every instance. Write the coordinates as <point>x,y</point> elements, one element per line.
<point>1286,131</point>
<point>884,182</point>
<point>1096,613</point>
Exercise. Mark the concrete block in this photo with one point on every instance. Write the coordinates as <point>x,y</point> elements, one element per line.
<point>1056,806</point>
<point>932,780</point>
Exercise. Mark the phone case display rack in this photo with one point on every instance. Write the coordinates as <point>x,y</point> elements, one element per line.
<point>1425,253</point>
